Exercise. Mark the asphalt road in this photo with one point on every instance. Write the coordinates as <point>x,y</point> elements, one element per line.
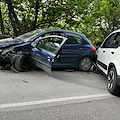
<point>63,95</point>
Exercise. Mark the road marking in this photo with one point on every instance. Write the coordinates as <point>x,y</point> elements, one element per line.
<point>30,103</point>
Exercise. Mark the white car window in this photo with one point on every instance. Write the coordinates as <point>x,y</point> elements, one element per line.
<point>109,43</point>
<point>118,39</point>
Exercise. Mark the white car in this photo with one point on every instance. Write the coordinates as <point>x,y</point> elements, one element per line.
<point>108,61</point>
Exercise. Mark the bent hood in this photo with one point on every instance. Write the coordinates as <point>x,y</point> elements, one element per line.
<point>9,42</point>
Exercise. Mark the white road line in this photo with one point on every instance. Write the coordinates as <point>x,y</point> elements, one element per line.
<point>30,103</point>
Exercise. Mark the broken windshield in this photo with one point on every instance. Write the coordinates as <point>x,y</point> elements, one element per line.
<point>27,36</point>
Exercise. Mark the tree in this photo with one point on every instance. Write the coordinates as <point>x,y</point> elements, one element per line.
<point>28,15</point>
<point>20,14</point>
<point>13,17</point>
<point>94,18</point>
<point>102,17</point>
<point>36,13</point>
<point>1,23</point>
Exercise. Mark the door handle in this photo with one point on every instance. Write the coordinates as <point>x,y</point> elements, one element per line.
<point>48,58</point>
<point>80,49</point>
<point>112,52</point>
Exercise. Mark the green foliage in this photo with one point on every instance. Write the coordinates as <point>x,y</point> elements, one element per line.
<point>94,18</point>
<point>102,18</point>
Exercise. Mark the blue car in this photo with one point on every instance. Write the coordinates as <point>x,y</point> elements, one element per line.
<point>47,49</point>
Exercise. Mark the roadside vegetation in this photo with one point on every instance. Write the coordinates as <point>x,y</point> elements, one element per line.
<point>94,18</point>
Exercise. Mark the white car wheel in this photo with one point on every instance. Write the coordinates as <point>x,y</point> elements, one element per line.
<point>112,86</point>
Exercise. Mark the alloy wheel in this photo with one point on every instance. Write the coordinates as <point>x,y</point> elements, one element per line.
<point>85,64</point>
<point>111,79</point>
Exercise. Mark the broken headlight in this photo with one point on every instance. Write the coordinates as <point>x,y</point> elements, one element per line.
<point>8,52</point>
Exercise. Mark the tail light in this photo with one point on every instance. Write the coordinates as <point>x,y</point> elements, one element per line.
<point>93,48</point>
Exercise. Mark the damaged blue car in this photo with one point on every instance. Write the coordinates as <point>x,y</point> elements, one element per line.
<point>47,49</point>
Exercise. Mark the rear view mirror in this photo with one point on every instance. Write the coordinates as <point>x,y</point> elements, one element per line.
<point>98,44</point>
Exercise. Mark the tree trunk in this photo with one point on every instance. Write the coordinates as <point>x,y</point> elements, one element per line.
<point>1,23</point>
<point>13,17</point>
<point>36,14</point>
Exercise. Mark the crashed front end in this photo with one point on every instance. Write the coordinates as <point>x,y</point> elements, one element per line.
<point>9,50</point>
<point>5,55</point>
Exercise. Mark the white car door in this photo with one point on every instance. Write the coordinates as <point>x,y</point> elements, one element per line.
<point>106,52</point>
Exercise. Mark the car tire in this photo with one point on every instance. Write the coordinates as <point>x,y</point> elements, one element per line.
<point>22,63</point>
<point>85,64</point>
<point>112,86</point>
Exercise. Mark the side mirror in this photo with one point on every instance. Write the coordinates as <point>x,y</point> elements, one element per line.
<point>98,44</point>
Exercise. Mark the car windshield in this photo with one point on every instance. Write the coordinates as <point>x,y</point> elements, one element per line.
<point>27,36</point>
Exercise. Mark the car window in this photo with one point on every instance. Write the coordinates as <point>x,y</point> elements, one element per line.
<point>117,39</point>
<point>50,44</point>
<point>73,38</point>
<point>110,42</point>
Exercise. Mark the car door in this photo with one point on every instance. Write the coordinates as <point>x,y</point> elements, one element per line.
<point>106,52</point>
<point>71,50</point>
<point>44,51</point>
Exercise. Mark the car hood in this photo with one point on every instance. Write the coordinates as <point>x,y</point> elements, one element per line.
<point>9,42</point>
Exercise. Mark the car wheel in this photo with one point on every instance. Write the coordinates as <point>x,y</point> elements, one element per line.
<point>85,64</point>
<point>112,86</point>
<point>21,63</point>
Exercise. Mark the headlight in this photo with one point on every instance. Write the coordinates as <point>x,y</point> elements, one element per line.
<point>7,52</point>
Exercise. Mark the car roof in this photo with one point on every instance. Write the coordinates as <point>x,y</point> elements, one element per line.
<point>47,30</point>
<point>110,35</point>
<point>61,30</point>
<point>113,33</point>
<point>116,31</point>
